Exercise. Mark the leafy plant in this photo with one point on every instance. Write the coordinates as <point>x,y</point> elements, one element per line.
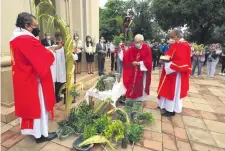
<point>117,40</point>
<point>101,123</point>
<point>89,131</point>
<point>146,116</point>
<point>135,132</point>
<point>115,130</point>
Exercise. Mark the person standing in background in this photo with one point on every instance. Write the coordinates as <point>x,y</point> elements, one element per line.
<point>113,57</point>
<point>47,40</point>
<point>89,49</point>
<point>108,49</point>
<point>223,63</point>
<point>198,59</point>
<point>213,58</point>
<point>77,45</point>
<point>101,51</point>
<point>154,55</point>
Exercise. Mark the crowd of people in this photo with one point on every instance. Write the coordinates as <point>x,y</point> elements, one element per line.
<point>210,56</point>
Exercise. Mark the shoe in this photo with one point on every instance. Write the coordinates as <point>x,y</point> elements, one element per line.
<point>168,114</point>
<point>92,73</point>
<point>89,72</point>
<point>223,74</point>
<point>220,73</point>
<point>50,137</point>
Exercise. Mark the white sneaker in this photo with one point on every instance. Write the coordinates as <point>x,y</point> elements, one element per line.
<point>220,73</point>
<point>223,74</point>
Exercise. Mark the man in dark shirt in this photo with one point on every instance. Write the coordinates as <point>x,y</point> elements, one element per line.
<point>47,40</point>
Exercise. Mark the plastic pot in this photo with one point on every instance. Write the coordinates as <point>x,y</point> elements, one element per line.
<point>83,148</point>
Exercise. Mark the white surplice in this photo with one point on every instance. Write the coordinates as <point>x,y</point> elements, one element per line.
<point>176,104</point>
<point>60,66</point>
<point>143,69</point>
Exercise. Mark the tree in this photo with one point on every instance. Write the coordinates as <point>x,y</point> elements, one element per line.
<point>200,16</point>
<point>111,18</point>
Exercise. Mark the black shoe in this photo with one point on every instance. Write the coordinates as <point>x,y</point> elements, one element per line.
<point>168,114</point>
<point>50,137</point>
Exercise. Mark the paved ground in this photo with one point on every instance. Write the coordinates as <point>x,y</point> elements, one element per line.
<point>200,127</point>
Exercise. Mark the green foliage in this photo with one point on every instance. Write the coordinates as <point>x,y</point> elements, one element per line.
<point>89,131</point>
<point>117,39</point>
<point>115,130</point>
<point>146,116</point>
<point>200,16</point>
<point>100,86</point>
<point>135,132</point>
<point>101,123</point>
<point>97,139</point>
<point>46,12</point>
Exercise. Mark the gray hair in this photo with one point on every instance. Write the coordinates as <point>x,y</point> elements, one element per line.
<point>178,32</point>
<point>140,37</point>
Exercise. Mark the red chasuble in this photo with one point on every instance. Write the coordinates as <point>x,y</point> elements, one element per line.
<point>31,64</point>
<point>181,62</point>
<point>133,76</point>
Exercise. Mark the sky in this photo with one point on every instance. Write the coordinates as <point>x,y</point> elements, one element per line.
<point>102,3</point>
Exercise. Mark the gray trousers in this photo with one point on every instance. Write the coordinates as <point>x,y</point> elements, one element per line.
<point>211,66</point>
<point>101,64</point>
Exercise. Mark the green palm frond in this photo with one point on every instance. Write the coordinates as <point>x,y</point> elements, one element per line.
<point>46,12</point>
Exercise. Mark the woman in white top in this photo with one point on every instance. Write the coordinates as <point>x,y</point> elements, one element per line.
<point>77,45</point>
<point>90,50</point>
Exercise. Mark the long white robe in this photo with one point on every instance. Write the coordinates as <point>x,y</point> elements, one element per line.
<point>40,125</point>
<point>176,104</point>
<point>144,69</point>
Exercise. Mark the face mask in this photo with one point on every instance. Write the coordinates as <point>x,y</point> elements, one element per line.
<point>89,40</point>
<point>48,37</point>
<point>138,45</point>
<point>76,38</point>
<point>102,41</point>
<point>172,41</point>
<point>35,31</point>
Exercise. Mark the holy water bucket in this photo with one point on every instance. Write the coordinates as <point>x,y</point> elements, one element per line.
<point>108,84</point>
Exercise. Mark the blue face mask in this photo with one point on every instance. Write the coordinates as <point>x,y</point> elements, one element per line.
<point>138,45</point>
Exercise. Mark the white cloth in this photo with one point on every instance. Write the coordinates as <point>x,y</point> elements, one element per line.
<point>77,45</point>
<point>40,126</point>
<point>114,94</point>
<point>90,49</point>
<point>60,66</point>
<point>176,104</point>
<point>144,69</point>
<point>112,48</point>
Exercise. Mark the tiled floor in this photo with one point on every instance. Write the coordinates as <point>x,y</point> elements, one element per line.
<point>200,126</point>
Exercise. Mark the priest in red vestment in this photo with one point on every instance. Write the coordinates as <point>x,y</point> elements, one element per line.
<point>137,67</point>
<point>32,80</point>
<point>174,81</point>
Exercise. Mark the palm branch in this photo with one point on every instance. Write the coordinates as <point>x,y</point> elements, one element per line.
<point>45,11</point>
